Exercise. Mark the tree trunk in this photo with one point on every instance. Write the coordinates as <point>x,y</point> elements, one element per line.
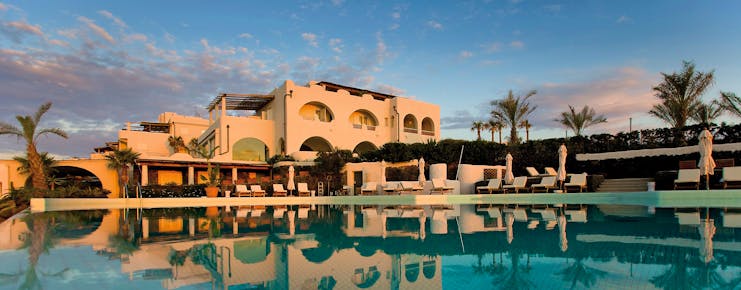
<point>513,136</point>
<point>38,176</point>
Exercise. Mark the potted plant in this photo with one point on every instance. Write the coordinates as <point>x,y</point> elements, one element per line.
<point>177,144</point>
<point>212,179</point>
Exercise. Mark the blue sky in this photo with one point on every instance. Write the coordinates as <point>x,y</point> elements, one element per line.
<point>103,64</point>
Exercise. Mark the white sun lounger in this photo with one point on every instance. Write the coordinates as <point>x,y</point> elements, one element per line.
<point>494,185</point>
<point>546,184</point>
<point>550,171</point>
<point>532,171</point>
<point>303,189</point>
<point>257,190</point>
<point>241,190</point>
<point>278,190</point>
<point>369,188</point>
<point>577,181</point>
<point>517,185</point>
<point>687,178</point>
<point>731,177</point>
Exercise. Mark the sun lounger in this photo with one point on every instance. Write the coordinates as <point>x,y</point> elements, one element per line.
<point>303,189</point>
<point>257,190</point>
<point>532,171</point>
<point>577,181</point>
<point>241,190</point>
<point>687,178</point>
<point>278,190</point>
<point>517,185</point>
<point>546,184</point>
<point>369,188</point>
<point>391,188</point>
<point>410,187</point>
<point>550,171</point>
<point>731,177</point>
<point>439,186</point>
<point>494,185</point>
<point>278,211</point>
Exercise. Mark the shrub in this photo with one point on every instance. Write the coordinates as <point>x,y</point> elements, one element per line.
<point>173,191</point>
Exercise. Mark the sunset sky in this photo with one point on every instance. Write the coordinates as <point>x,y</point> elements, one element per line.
<point>103,64</point>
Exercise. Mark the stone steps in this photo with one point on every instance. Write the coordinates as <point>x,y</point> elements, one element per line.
<point>624,185</point>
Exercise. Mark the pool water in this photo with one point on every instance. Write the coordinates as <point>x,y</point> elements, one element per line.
<point>375,247</point>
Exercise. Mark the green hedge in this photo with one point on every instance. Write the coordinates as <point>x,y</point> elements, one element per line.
<point>173,191</point>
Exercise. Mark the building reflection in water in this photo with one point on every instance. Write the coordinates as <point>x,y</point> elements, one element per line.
<point>388,247</point>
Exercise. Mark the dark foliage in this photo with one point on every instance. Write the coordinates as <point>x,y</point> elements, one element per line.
<point>173,191</point>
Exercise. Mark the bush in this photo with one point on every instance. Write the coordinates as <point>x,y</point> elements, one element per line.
<point>173,191</point>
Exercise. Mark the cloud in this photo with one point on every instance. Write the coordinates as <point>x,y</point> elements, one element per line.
<point>112,17</point>
<point>553,8</point>
<point>462,119</point>
<point>337,2</point>
<point>491,62</point>
<point>616,93</point>
<point>434,25</point>
<point>102,33</point>
<point>136,37</point>
<point>3,7</point>
<point>310,38</point>
<point>492,47</point>
<point>465,54</point>
<point>336,45</point>
<point>623,19</point>
<point>169,37</point>
<point>517,44</point>
<point>245,35</point>
<point>396,15</point>
<point>17,30</point>
<point>389,89</point>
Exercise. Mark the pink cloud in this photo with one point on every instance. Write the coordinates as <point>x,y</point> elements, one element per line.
<point>100,31</point>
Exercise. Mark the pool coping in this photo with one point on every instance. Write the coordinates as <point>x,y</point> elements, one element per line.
<point>674,198</point>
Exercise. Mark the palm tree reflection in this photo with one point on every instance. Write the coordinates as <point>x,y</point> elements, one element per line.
<point>578,272</point>
<point>515,277</point>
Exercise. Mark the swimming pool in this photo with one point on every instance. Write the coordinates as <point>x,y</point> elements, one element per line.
<point>408,246</point>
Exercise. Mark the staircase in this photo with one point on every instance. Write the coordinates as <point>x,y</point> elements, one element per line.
<point>624,185</point>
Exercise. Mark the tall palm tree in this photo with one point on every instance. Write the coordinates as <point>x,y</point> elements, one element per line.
<point>525,124</point>
<point>30,132</point>
<point>680,94</point>
<point>512,110</point>
<point>120,160</point>
<point>487,127</point>
<point>578,121</point>
<point>707,113</point>
<point>731,103</point>
<point>47,162</point>
<point>496,125</point>
<point>477,126</point>
<point>580,273</point>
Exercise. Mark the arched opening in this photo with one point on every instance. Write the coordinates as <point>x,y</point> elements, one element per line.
<point>249,149</point>
<point>428,127</point>
<point>317,255</point>
<point>411,271</point>
<point>317,144</point>
<point>364,147</point>
<point>72,176</point>
<point>410,124</point>
<point>363,118</point>
<point>428,268</point>
<point>316,111</point>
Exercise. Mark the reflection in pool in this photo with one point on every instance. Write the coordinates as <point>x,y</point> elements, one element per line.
<point>375,247</point>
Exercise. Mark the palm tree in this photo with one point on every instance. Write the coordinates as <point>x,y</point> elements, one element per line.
<point>680,94</point>
<point>477,126</point>
<point>578,121</point>
<point>707,113</point>
<point>30,132</point>
<point>120,160</point>
<point>515,277</point>
<point>47,162</point>
<point>512,110</point>
<point>580,273</point>
<point>731,103</point>
<point>526,125</point>
<point>496,125</point>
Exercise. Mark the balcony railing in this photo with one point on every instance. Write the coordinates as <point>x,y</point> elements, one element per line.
<point>410,130</point>
<point>357,126</point>
<point>370,128</point>
<point>428,132</point>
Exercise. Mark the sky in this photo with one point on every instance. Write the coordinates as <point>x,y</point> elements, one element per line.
<point>104,64</point>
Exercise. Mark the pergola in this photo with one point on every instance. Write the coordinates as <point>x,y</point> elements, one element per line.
<point>243,102</point>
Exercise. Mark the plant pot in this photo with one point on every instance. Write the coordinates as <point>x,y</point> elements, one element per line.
<point>212,211</point>
<point>212,191</point>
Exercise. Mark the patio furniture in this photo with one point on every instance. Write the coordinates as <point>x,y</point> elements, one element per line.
<point>369,188</point>
<point>410,187</point>
<point>257,190</point>
<point>731,177</point>
<point>687,179</point>
<point>532,171</point>
<point>546,184</point>
<point>577,181</point>
<point>550,171</point>
<point>240,190</point>
<point>303,189</point>
<point>439,186</point>
<point>494,185</point>
<point>517,185</point>
<point>278,190</point>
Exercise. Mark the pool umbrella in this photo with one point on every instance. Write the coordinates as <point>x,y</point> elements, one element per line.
<point>561,174</point>
<point>508,176</point>
<point>707,231</point>
<point>421,171</point>
<point>509,219</point>
<point>383,173</point>
<point>291,186</point>
<point>562,241</point>
<point>706,164</point>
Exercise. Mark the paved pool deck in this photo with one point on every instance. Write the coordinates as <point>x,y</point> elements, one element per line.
<point>673,198</point>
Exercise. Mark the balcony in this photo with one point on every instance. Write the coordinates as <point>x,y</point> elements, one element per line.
<point>428,132</point>
<point>410,130</point>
